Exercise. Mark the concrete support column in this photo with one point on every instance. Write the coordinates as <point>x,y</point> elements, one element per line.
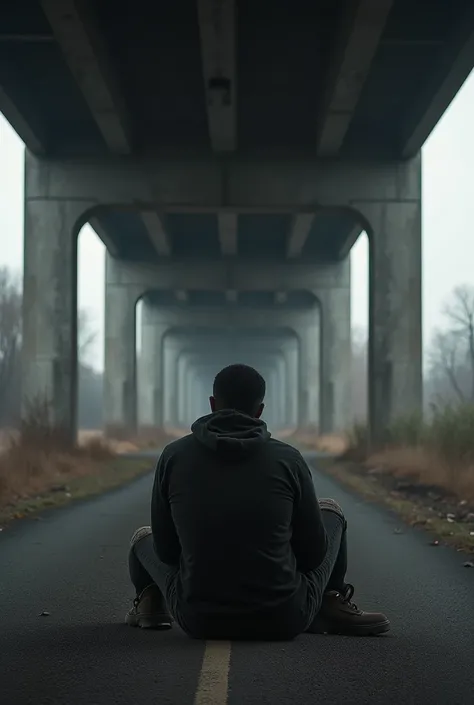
<point>281,392</point>
<point>335,402</point>
<point>120,389</point>
<point>275,375</point>
<point>190,388</point>
<point>290,352</point>
<point>395,311</point>
<point>199,408</point>
<point>183,369</point>
<point>170,372</point>
<point>309,374</point>
<point>49,349</point>
<point>272,408</point>
<point>190,396</point>
<point>150,370</point>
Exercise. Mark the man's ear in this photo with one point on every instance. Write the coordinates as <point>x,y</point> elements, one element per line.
<point>260,411</point>
<point>212,403</point>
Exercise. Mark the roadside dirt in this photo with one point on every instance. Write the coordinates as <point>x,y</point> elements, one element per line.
<point>447,519</point>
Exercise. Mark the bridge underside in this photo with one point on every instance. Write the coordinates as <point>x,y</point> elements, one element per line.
<point>228,291</point>
<point>229,155</point>
<point>357,79</point>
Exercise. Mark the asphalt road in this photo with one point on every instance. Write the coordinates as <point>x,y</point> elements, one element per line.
<point>73,565</point>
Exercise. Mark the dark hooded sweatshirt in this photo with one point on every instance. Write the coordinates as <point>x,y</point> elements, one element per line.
<point>237,511</point>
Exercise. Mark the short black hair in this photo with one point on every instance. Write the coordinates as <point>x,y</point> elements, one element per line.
<point>239,387</point>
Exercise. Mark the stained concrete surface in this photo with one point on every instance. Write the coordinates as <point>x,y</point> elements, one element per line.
<point>72,564</point>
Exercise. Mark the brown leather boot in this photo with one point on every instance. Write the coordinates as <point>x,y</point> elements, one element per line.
<point>149,610</point>
<point>338,615</point>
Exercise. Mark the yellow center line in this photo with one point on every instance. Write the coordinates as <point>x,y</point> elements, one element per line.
<point>214,677</point>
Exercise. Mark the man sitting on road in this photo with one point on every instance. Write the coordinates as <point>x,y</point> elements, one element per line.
<point>239,546</point>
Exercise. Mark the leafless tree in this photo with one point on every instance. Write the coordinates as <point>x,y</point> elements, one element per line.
<point>10,348</point>
<point>10,333</point>
<point>446,358</point>
<point>451,355</point>
<point>460,314</point>
<point>86,336</point>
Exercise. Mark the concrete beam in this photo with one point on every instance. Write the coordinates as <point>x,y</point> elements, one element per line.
<point>455,64</point>
<point>231,296</point>
<point>250,349</point>
<point>104,235</point>
<point>350,241</point>
<point>219,276</point>
<point>232,184</point>
<point>76,32</point>
<point>156,232</point>
<point>362,26</point>
<point>301,226</point>
<point>32,139</point>
<point>217,28</point>
<point>228,233</point>
<point>235,319</point>
<point>281,297</point>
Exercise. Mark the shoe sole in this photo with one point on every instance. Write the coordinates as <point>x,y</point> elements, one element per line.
<point>356,630</point>
<point>142,622</point>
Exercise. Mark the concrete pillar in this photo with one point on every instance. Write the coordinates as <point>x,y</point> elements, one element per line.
<point>290,352</point>
<point>49,347</point>
<point>120,384</point>
<point>182,372</point>
<point>309,374</point>
<point>198,383</point>
<point>189,388</point>
<point>192,404</point>
<point>201,406</point>
<point>190,396</point>
<point>150,370</point>
<point>273,371</point>
<point>281,391</point>
<point>271,375</point>
<point>335,403</point>
<point>170,381</point>
<point>395,311</point>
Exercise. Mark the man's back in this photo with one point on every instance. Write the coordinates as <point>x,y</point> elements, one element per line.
<point>227,505</point>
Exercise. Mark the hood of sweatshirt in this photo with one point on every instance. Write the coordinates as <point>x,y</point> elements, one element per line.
<point>230,433</point>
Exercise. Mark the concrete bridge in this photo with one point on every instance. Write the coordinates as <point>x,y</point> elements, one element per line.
<point>228,154</point>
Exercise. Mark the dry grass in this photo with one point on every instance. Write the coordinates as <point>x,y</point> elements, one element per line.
<point>30,468</point>
<point>122,441</point>
<point>119,447</point>
<point>335,444</point>
<point>424,467</point>
<point>152,437</point>
<point>424,470</point>
<point>422,509</point>
<point>40,457</point>
<point>436,452</point>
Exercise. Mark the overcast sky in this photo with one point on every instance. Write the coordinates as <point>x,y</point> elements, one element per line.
<point>448,223</point>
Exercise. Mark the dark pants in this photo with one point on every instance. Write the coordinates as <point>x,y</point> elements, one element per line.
<point>146,569</point>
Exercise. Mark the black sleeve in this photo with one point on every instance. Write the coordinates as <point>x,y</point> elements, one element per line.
<point>165,538</point>
<point>309,540</point>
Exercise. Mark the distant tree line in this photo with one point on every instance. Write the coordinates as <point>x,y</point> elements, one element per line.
<point>90,382</point>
